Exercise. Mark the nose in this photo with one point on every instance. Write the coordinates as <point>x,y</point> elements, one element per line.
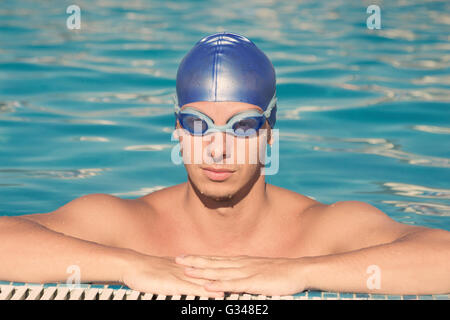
<point>217,148</point>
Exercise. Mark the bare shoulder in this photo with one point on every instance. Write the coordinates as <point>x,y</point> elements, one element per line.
<point>351,225</point>
<point>91,206</point>
<point>159,199</point>
<point>95,217</point>
<point>285,198</point>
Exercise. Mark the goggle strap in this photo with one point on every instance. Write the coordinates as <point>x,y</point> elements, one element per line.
<point>175,102</point>
<point>272,104</point>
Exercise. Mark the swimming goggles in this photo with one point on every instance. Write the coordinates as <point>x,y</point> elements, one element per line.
<point>242,124</point>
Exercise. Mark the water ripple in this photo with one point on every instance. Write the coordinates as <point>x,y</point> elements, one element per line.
<point>140,192</point>
<point>377,146</point>
<point>95,139</point>
<point>149,147</point>
<point>432,129</point>
<point>411,190</point>
<point>343,90</point>
<point>9,106</point>
<point>422,208</point>
<point>59,174</point>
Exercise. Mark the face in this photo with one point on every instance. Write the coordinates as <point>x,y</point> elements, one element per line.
<point>219,164</point>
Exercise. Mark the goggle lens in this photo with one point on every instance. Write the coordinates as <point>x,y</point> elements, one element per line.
<point>193,124</point>
<point>248,126</point>
<point>243,127</point>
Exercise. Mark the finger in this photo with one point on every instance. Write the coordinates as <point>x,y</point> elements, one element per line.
<point>203,262</point>
<point>233,285</point>
<point>195,280</point>
<point>216,273</point>
<point>231,258</point>
<point>222,257</point>
<point>189,288</point>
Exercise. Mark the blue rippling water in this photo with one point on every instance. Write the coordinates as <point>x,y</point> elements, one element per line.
<point>363,114</point>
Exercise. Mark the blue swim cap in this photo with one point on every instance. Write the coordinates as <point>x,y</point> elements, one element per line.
<point>227,67</point>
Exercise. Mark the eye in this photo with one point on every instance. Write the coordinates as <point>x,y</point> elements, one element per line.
<point>251,123</point>
<point>194,124</point>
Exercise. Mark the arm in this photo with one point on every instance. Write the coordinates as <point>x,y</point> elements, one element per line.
<point>40,247</point>
<point>33,253</point>
<point>405,259</point>
<point>410,259</point>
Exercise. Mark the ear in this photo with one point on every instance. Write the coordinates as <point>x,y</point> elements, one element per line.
<point>269,134</point>
<point>177,130</point>
<point>179,136</point>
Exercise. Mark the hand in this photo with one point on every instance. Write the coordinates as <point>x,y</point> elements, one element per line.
<point>257,275</point>
<point>162,275</point>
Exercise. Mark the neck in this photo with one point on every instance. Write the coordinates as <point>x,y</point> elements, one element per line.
<point>228,222</point>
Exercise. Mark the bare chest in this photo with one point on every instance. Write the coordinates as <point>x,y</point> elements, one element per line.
<point>164,238</point>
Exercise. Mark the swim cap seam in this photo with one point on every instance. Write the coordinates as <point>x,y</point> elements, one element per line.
<point>215,67</point>
<point>219,57</point>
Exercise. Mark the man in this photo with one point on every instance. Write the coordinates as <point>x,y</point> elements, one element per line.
<point>239,233</point>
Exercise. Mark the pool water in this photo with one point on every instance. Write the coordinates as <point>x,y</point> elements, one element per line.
<point>363,114</point>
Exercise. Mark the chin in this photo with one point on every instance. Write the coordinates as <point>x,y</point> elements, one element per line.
<point>217,192</point>
<point>220,198</point>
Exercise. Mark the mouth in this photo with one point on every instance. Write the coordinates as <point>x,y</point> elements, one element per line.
<point>217,174</point>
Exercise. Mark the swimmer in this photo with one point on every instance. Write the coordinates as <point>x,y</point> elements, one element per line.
<point>225,229</point>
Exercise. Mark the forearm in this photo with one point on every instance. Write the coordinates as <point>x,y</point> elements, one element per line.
<point>32,253</point>
<point>416,264</point>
